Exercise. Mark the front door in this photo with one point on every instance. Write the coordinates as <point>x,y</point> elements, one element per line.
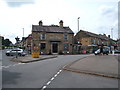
<point>55,47</point>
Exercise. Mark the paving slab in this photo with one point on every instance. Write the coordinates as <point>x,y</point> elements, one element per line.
<point>106,66</point>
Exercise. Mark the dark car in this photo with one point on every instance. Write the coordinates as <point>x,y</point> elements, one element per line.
<point>105,51</point>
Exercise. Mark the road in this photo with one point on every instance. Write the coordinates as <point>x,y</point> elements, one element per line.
<point>6,59</point>
<point>49,74</point>
<point>5,62</point>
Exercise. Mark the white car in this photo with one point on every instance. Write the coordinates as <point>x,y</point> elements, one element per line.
<point>105,51</point>
<point>13,52</point>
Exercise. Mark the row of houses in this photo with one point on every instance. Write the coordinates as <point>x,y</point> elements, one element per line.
<point>58,39</point>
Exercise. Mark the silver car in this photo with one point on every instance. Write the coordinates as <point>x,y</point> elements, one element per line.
<point>13,52</point>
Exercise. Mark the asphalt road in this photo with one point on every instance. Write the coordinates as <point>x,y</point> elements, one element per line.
<point>36,74</point>
<point>6,59</point>
<point>49,74</point>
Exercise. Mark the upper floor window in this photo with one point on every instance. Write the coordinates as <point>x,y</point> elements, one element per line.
<point>65,37</point>
<point>43,36</point>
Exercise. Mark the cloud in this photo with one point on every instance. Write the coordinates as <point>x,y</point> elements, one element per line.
<point>18,3</point>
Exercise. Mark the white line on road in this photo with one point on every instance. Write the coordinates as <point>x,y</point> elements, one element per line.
<point>43,87</point>
<point>48,82</point>
<point>12,65</point>
<point>51,79</point>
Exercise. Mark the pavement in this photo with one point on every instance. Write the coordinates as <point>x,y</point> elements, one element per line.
<point>105,66</point>
<point>29,58</point>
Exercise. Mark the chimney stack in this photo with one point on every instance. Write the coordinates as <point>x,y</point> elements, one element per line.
<point>109,36</point>
<point>61,23</point>
<point>40,23</point>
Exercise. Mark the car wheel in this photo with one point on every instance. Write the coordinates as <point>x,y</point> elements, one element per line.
<point>7,54</point>
<point>19,54</point>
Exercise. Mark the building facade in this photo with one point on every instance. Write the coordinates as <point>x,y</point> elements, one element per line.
<point>52,39</point>
<point>91,41</point>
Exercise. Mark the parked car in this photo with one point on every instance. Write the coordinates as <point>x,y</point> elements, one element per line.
<point>105,51</point>
<point>117,51</point>
<point>14,52</point>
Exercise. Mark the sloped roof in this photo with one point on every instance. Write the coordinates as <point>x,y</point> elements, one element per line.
<point>52,29</point>
<point>96,35</point>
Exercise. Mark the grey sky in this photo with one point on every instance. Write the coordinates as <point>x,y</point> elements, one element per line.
<point>97,16</point>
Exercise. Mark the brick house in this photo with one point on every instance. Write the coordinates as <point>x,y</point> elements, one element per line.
<point>90,41</point>
<point>52,39</point>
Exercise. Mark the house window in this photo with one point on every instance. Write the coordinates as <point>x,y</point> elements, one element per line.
<point>66,47</point>
<point>98,42</point>
<point>42,46</point>
<point>65,37</point>
<point>43,37</point>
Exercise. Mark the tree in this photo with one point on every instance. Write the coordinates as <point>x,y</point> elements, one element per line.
<point>7,42</point>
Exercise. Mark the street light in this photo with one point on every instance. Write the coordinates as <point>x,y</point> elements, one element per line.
<point>112,33</point>
<point>78,23</point>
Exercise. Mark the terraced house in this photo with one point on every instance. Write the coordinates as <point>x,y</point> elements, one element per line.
<point>52,39</point>
<point>90,41</point>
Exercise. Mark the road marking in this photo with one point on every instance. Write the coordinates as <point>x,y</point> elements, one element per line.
<point>12,65</point>
<point>48,82</point>
<point>51,79</point>
<point>55,75</point>
<point>44,87</point>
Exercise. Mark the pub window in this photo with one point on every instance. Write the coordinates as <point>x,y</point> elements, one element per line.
<point>43,36</point>
<point>65,37</point>
<point>66,47</point>
<point>42,46</point>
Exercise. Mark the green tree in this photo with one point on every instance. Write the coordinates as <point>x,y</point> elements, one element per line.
<point>7,42</point>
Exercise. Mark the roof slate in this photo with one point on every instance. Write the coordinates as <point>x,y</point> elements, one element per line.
<point>52,29</point>
<point>96,35</point>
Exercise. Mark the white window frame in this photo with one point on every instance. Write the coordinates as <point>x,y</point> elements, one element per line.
<point>41,36</point>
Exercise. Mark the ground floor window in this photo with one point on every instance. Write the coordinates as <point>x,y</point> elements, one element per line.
<point>66,47</point>
<point>42,46</point>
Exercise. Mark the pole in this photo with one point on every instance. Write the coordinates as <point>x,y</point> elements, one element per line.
<point>78,23</point>
<point>78,36</point>
<point>23,38</point>
<point>112,33</point>
<point>23,32</point>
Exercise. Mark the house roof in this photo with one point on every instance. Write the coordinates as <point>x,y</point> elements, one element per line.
<point>104,37</point>
<point>52,29</point>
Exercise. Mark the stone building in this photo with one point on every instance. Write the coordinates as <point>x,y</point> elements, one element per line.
<point>52,39</point>
<point>90,41</point>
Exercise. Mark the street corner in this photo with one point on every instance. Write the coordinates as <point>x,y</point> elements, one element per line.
<point>105,66</point>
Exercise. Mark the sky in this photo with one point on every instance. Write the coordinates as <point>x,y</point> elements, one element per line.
<point>96,16</point>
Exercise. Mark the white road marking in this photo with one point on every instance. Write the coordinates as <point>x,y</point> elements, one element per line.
<point>12,65</point>
<point>48,82</point>
<point>58,73</point>
<point>55,75</point>
<point>51,79</point>
<point>44,87</point>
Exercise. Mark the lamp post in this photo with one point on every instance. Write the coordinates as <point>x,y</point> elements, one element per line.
<point>23,39</point>
<point>78,23</point>
<point>78,42</point>
<point>112,33</point>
